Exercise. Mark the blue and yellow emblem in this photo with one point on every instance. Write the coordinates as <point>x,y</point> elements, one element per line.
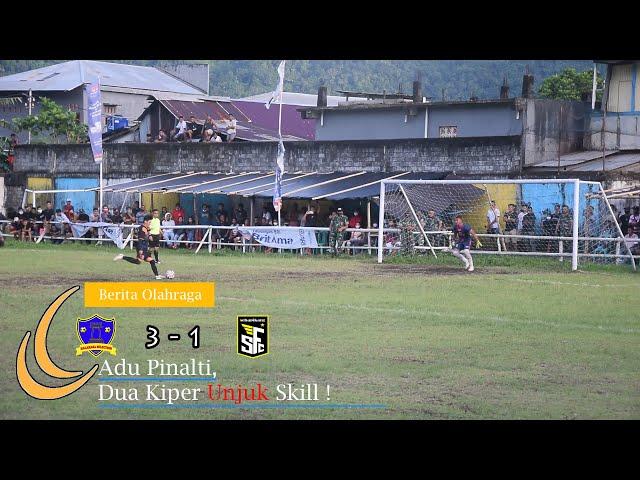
<point>96,334</point>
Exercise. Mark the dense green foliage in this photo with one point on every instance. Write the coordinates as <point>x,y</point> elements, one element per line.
<point>569,85</point>
<point>459,79</point>
<point>54,122</point>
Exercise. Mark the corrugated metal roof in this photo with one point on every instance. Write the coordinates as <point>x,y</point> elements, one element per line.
<point>295,98</point>
<point>220,112</point>
<point>575,158</point>
<point>292,121</point>
<point>69,75</point>
<point>332,186</point>
<point>619,161</point>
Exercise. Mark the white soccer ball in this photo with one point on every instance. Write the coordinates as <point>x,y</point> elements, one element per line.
<point>170,274</point>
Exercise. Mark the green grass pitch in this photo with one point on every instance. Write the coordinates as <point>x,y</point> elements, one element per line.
<point>517,339</point>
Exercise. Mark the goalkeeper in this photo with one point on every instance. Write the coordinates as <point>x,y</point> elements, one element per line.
<point>462,234</point>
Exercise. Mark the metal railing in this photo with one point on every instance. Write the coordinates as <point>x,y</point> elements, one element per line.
<point>211,238</point>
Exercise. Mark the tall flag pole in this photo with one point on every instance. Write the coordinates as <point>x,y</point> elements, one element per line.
<point>95,126</point>
<point>277,95</point>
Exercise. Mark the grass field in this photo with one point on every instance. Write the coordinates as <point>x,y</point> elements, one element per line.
<point>517,339</point>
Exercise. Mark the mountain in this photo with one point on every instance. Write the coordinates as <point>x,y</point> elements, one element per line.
<point>459,79</point>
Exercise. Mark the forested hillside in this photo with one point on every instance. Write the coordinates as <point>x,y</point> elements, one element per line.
<point>458,79</point>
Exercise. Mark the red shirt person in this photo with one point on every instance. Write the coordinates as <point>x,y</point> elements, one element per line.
<point>178,212</point>
<point>67,208</point>
<point>357,218</point>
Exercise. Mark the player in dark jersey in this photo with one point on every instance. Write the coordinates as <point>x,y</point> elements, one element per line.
<point>462,234</point>
<point>143,249</point>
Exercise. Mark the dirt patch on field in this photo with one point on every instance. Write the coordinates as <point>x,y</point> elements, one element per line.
<point>409,269</point>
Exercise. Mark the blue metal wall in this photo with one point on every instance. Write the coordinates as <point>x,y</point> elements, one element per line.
<point>85,200</point>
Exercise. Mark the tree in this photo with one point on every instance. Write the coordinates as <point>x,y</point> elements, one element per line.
<point>569,85</point>
<point>54,121</point>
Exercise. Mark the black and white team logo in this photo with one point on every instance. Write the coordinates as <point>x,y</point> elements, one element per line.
<point>253,335</point>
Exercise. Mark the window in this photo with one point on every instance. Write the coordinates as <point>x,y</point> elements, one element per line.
<point>109,109</point>
<point>448,131</point>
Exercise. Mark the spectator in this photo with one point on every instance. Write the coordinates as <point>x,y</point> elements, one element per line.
<point>431,224</point>
<point>11,154</point>
<point>631,240</point>
<point>623,219</point>
<point>181,233</point>
<point>191,232</point>
<point>135,209</point>
<point>241,214</point>
<point>355,219</point>
<point>162,137</point>
<point>177,212</point>
<point>231,128</point>
<point>168,232</point>
<point>511,226</point>
<point>140,214</point>
<point>529,228</point>
<point>205,218</point>
<point>523,211</point>
<point>180,130</point>
<point>194,130</point>
<point>106,215</point>
<point>82,216</point>
<point>493,218</point>
<point>208,130</point>
<point>149,138</point>
<point>128,218</point>
<point>565,225</point>
<point>117,217</point>
<point>634,220</point>
<point>47,216</point>
<point>25,230</point>
<point>266,214</point>
<point>221,212</point>
<point>16,228</point>
<point>234,235</point>
<point>68,207</point>
<point>356,239</point>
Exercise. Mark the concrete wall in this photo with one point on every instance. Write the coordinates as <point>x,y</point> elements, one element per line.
<point>622,132</point>
<point>472,120</point>
<point>552,128</point>
<point>130,105</point>
<point>486,157</point>
<point>476,120</point>
<point>370,125</point>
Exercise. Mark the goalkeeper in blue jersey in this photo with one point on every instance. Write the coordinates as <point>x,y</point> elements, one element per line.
<point>462,235</point>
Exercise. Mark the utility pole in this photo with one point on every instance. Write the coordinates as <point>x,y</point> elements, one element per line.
<point>30,103</point>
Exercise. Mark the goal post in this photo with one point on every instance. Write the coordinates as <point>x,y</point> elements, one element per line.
<point>563,218</point>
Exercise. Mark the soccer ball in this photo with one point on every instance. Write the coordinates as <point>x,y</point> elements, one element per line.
<point>170,274</point>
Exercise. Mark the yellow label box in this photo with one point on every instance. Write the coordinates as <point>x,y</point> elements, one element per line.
<point>149,294</point>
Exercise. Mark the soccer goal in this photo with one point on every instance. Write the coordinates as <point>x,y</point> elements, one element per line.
<point>563,218</point>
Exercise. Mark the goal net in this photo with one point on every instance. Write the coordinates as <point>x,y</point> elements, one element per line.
<point>568,219</point>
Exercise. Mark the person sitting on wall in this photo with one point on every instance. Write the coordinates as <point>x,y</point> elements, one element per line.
<point>194,130</point>
<point>162,137</point>
<point>180,130</point>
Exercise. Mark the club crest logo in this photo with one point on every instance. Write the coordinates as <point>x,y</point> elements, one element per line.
<point>96,334</point>
<point>253,335</point>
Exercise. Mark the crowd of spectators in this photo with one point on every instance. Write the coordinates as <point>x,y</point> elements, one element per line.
<point>206,130</point>
<point>53,224</point>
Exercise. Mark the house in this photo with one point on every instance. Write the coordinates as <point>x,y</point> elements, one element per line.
<point>125,89</point>
<point>542,128</point>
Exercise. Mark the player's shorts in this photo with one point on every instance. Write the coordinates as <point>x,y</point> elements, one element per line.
<point>154,241</point>
<point>461,246</point>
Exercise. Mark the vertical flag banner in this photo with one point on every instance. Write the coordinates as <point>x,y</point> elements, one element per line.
<point>278,91</point>
<point>95,121</point>
<point>277,95</point>
<point>277,194</point>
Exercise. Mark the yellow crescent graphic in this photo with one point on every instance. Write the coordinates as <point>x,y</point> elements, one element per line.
<point>26,381</point>
<point>42,355</point>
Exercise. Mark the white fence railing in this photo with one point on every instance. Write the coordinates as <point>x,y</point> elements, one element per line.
<point>211,237</point>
